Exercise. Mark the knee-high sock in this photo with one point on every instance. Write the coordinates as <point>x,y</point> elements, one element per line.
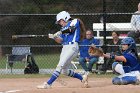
<point>54,76</point>
<point>75,75</point>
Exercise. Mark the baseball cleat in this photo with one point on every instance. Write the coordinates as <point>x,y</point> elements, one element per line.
<point>137,82</point>
<point>44,86</point>
<point>85,81</point>
<point>138,79</point>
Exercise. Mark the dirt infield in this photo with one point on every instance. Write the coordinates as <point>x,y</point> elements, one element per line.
<point>64,85</point>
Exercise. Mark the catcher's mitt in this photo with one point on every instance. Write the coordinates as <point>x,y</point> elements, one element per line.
<point>93,51</point>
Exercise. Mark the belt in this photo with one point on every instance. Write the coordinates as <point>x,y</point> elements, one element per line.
<point>69,43</point>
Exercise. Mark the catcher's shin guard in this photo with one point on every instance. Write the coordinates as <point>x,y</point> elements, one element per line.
<point>125,80</point>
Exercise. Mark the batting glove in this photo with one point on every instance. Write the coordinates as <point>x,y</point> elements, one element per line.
<point>51,36</point>
<point>57,34</point>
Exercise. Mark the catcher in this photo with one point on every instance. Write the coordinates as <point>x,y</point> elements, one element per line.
<point>130,67</point>
<point>127,65</point>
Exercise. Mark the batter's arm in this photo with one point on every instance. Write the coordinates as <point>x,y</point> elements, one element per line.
<point>58,40</point>
<point>56,37</point>
<point>72,27</point>
<point>69,30</point>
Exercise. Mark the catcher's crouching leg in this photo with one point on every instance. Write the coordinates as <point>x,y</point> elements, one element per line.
<point>125,80</point>
<point>118,68</point>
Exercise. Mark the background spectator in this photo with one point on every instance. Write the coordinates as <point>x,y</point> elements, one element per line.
<point>135,23</point>
<point>114,48</point>
<point>84,56</point>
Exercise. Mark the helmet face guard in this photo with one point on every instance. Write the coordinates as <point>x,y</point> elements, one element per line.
<point>62,15</point>
<point>129,41</point>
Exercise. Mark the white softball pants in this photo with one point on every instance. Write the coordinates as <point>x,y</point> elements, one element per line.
<point>67,54</point>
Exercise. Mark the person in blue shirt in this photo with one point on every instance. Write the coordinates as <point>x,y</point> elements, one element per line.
<point>84,55</point>
<point>130,67</point>
<point>69,36</point>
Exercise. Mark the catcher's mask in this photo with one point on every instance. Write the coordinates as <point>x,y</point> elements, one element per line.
<point>130,42</point>
<point>62,15</point>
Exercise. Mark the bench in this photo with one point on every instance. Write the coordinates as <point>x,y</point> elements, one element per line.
<point>120,27</point>
<point>99,62</point>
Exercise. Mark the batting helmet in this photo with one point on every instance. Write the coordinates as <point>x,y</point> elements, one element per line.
<point>63,15</point>
<point>130,42</point>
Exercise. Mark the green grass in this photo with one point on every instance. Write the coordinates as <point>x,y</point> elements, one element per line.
<point>43,61</point>
<point>24,76</point>
<point>47,61</point>
<point>48,75</point>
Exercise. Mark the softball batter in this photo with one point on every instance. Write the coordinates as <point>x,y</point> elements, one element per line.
<point>69,36</point>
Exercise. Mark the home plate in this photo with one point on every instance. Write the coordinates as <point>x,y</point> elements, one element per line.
<point>10,91</point>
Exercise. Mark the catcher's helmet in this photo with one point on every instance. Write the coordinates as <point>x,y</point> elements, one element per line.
<point>63,15</point>
<point>130,42</point>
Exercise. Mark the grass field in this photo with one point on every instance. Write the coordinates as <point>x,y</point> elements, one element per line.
<point>43,61</point>
<point>107,75</point>
<point>48,61</point>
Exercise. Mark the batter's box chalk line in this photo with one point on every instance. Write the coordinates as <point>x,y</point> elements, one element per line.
<point>10,91</point>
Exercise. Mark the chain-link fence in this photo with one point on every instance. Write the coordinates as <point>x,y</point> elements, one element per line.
<point>37,17</point>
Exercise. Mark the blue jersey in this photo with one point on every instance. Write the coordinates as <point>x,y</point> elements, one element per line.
<point>84,49</point>
<point>131,61</point>
<point>73,36</point>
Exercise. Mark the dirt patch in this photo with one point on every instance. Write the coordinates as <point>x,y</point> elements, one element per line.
<point>65,85</point>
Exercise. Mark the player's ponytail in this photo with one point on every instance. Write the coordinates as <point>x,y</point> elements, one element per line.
<point>83,29</point>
